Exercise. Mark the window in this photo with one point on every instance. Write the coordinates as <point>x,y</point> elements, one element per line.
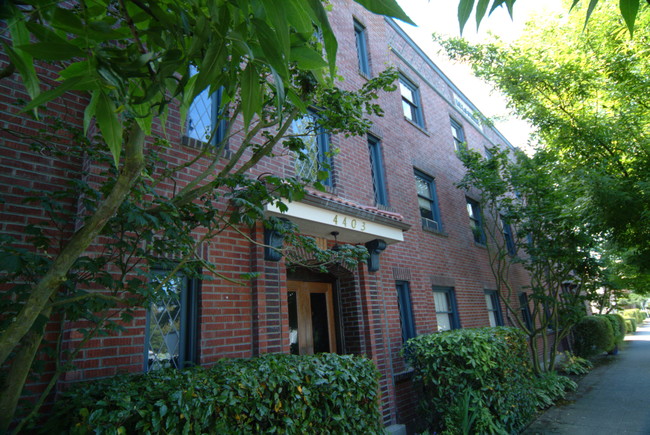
<point>405,310</point>
<point>459,136</point>
<point>476,221</point>
<point>428,202</point>
<point>493,308</point>
<point>507,237</point>
<point>206,118</point>
<point>377,168</point>
<point>172,324</point>
<point>411,101</point>
<point>525,311</point>
<point>362,48</point>
<point>313,161</point>
<point>446,312</point>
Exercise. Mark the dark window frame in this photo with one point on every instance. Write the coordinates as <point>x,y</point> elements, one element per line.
<point>496,306</point>
<point>524,306</point>
<point>361,41</point>
<point>452,312</point>
<point>218,117</point>
<point>458,135</point>
<point>475,220</point>
<point>508,237</point>
<point>434,224</point>
<point>407,321</point>
<point>188,354</point>
<point>323,143</point>
<point>377,170</point>
<point>414,104</point>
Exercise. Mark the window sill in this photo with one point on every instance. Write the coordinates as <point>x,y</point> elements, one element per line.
<point>419,127</point>
<point>404,376</point>
<point>436,232</point>
<point>364,75</point>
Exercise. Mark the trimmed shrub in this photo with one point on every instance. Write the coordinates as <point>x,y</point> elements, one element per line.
<point>276,393</point>
<point>592,335</point>
<point>618,325</point>
<point>630,326</point>
<point>636,314</point>
<point>479,375</point>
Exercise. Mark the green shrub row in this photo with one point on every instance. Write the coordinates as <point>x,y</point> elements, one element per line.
<point>593,335</point>
<point>634,313</point>
<point>630,325</point>
<point>276,393</point>
<point>483,373</point>
<point>618,327</point>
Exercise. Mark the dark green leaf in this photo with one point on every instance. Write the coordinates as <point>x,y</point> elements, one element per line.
<point>53,50</point>
<point>465,8</point>
<point>389,8</point>
<point>109,125</point>
<point>74,83</point>
<point>251,93</point>
<point>590,9</point>
<point>481,8</point>
<point>629,10</point>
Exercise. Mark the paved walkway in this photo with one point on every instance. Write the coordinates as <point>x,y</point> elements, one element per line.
<point>613,398</point>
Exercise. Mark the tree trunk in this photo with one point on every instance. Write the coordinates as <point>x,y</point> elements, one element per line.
<point>17,374</point>
<point>45,289</point>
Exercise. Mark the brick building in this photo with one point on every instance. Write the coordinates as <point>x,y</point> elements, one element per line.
<point>393,191</point>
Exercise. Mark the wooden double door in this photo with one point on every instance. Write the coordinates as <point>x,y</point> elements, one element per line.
<point>311,317</point>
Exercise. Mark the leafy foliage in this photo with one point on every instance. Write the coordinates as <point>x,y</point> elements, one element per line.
<point>550,387</point>
<point>291,394</point>
<point>592,335</point>
<point>575,365</point>
<point>629,10</point>
<point>491,365</point>
<point>582,90</point>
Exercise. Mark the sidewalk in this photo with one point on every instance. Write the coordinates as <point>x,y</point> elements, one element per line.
<point>612,399</point>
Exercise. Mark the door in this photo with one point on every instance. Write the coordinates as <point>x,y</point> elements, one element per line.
<point>311,317</point>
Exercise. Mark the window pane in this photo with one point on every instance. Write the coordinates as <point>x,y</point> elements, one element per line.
<point>407,93</point>
<point>488,302</point>
<point>165,327</point>
<point>424,188</point>
<point>444,323</point>
<point>320,326</point>
<point>408,110</point>
<point>293,323</point>
<point>441,300</point>
<point>199,117</point>
<point>307,168</point>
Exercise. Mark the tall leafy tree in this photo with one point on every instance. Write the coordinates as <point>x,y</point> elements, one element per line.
<point>584,90</point>
<point>135,60</point>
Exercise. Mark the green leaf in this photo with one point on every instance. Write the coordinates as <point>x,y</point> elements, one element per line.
<point>24,64</point>
<point>629,10</point>
<point>465,8</point>
<point>73,83</point>
<point>109,125</point>
<point>89,111</point>
<point>53,50</point>
<point>251,93</point>
<point>389,8</point>
<point>307,58</point>
<point>590,9</point>
<point>481,8</point>
<point>331,45</point>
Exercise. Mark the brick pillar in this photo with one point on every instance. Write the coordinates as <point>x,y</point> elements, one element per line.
<point>269,305</point>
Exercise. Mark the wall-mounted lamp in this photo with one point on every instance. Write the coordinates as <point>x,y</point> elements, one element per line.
<point>273,239</point>
<point>375,247</point>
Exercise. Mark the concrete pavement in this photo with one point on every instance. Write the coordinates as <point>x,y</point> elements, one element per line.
<point>613,398</point>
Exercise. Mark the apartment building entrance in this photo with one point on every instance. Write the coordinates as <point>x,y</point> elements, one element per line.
<point>311,317</point>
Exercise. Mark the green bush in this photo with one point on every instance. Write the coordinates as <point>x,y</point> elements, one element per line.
<point>277,393</point>
<point>636,314</point>
<point>490,365</point>
<point>592,335</point>
<point>618,325</point>
<point>630,325</point>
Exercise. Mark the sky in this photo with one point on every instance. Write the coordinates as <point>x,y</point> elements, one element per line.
<point>441,16</point>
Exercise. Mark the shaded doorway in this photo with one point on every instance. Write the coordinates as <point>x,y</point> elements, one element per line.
<point>312,327</point>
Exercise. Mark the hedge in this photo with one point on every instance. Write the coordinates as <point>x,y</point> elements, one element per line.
<point>276,393</point>
<point>593,335</point>
<point>630,326</point>
<point>484,372</point>
<point>634,313</point>
<point>618,325</point>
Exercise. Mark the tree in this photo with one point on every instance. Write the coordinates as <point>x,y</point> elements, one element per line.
<point>136,61</point>
<point>583,91</point>
<point>526,206</point>
<point>629,10</point>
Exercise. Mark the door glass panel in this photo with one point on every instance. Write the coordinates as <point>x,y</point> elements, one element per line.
<point>319,322</point>
<point>293,323</point>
